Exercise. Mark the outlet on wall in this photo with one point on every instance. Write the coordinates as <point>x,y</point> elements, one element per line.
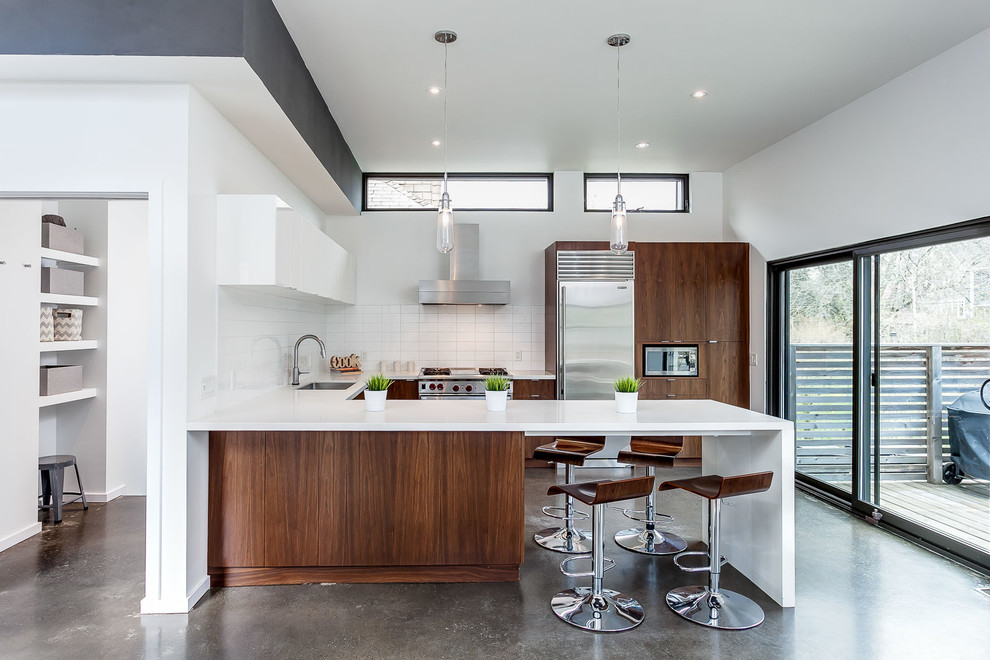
<point>519,355</point>
<point>752,359</point>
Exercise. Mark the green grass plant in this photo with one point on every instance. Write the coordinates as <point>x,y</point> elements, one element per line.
<point>627,384</point>
<point>378,382</point>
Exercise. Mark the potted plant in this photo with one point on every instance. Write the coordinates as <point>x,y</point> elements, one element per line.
<point>496,392</point>
<point>376,390</point>
<point>626,394</point>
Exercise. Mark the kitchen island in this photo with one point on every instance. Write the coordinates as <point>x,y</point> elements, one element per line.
<point>306,487</point>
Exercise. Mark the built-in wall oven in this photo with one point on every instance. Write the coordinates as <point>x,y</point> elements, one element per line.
<point>670,360</point>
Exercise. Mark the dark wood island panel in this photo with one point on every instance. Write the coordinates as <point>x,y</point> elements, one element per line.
<point>297,507</point>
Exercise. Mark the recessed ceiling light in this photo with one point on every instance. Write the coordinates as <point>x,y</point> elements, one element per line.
<point>642,145</point>
<point>700,94</point>
<point>435,143</point>
<point>434,90</point>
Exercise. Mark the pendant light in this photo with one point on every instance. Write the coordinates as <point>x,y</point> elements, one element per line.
<point>618,242</point>
<point>445,215</point>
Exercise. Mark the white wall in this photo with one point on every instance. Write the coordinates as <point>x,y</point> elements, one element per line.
<point>910,155</point>
<point>125,138</point>
<point>127,347</point>
<point>229,330</point>
<point>395,250</point>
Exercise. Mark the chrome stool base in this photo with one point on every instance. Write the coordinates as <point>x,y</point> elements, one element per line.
<point>649,542</point>
<point>726,611</point>
<point>613,612</point>
<point>560,539</point>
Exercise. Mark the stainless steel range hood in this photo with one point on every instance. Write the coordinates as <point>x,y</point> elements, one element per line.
<point>464,286</point>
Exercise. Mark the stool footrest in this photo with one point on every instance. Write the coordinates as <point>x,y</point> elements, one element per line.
<point>639,515</point>
<point>577,515</point>
<point>695,553</point>
<point>607,564</point>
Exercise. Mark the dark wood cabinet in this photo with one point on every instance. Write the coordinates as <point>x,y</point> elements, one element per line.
<point>237,499</point>
<point>523,390</point>
<point>671,291</point>
<point>296,507</point>
<point>729,368</point>
<point>398,390</point>
<point>728,291</point>
<point>291,489</point>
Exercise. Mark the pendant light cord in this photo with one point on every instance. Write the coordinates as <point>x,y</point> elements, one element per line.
<point>618,121</point>
<point>445,117</point>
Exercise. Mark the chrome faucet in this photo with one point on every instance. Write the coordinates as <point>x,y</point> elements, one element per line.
<point>295,356</point>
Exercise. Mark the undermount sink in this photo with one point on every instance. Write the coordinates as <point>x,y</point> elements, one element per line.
<point>325,386</point>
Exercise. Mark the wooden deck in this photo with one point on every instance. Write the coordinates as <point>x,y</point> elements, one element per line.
<point>961,512</point>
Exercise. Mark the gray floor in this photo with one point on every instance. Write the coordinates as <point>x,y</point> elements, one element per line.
<point>73,591</point>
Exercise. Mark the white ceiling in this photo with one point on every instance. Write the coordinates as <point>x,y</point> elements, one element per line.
<point>532,82</point>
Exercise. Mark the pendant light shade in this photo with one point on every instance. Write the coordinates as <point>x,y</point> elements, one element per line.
<point>445,225</point>
<point>618,243</point>
<point>618,240</point>
<point>445,215</point>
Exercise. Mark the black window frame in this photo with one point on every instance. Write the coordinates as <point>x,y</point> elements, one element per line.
<point>548,176</point>
<point>640,176</point>
<point>865,351</point>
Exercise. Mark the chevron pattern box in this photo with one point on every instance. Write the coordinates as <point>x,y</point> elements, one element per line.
<point>47,324</point>
<point>67,324</point>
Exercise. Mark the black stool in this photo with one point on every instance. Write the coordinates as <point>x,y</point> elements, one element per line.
<point>648,540</point>
<point>709,605</point>
<point>570,452</point>
<point>53,481</point>
<point>594,608</point>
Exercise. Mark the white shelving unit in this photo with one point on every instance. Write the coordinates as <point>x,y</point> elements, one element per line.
<point>57,346</point>
<point>78,395</point>
<point>61,299</point>
<point>69,257</point>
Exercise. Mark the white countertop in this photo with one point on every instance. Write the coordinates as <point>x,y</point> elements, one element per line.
<point>294,410</point>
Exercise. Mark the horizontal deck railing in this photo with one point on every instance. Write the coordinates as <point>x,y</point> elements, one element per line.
<point>917,382</point>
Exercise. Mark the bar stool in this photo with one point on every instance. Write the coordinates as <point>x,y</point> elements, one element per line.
<point>594,608</point>
<point>52,470</point>
<point>570,452</point>
<point>709,605</point>
<point>648,540</point>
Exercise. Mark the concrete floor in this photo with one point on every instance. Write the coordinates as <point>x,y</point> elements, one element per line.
<point>73,591</point>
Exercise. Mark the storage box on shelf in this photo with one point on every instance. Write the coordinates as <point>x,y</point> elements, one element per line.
<point>59,379</point>
<point>60,238</point>
<point>62,280</point>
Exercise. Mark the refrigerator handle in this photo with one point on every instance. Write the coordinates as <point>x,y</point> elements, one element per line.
<point>561,324</point>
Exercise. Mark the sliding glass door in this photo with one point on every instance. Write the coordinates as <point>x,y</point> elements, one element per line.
<point>933,344</point>
<point>877,353</point>
<point>819,365</point>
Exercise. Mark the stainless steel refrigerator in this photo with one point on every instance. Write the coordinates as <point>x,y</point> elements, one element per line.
<point>595,342</point>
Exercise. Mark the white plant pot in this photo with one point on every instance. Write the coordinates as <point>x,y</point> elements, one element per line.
<point>496,400</point>
<point>374,400</point>
<point>625,402</point>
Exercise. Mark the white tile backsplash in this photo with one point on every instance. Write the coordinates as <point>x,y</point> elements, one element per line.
<point>462,336</point>
<point>256,333</point>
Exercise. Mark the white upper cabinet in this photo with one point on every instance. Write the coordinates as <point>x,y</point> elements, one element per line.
<point>263,243</point>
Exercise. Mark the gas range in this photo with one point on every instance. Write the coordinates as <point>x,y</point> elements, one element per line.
<point>456,382</point>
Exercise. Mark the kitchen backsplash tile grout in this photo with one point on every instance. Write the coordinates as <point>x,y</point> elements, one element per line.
<point>256,332</point>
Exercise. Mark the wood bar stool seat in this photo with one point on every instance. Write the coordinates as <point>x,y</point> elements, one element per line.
<point>595,608</point>
<point>52,470</point>
<point>650,452</point>
<point>709,605</point>
<point>571,451</point>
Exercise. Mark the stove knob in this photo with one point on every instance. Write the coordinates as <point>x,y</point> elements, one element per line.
<point>433,386</point>
<point>467,387</point>
<point>456,388</point>
<point>439,386</point>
